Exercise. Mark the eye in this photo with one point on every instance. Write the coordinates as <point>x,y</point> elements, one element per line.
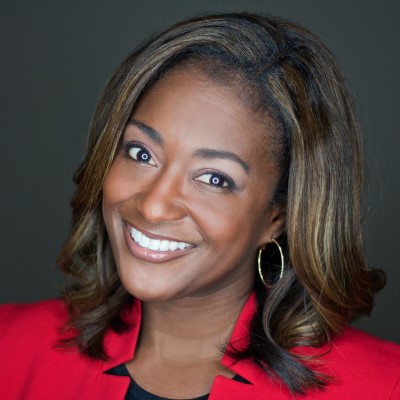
<point>139,154</point>
<point>216,180</point>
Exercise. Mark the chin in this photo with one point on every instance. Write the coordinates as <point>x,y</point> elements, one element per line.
<point>149,289</point>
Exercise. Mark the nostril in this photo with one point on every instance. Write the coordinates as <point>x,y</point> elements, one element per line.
<point>161,205</point>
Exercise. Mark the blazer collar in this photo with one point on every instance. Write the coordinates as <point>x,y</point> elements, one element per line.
<point>120,348</point>
<point>259,383</point>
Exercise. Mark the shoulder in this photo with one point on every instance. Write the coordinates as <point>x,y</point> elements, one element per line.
<point>357,366</point>
<point>34,363</point>
<point>47,311</point>
<point>45,307</point>
<point>23,324</point>
<point>362,366</point>
<point>366,350</point>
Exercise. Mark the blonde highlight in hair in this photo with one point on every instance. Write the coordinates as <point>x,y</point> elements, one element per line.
<point>289,75</point>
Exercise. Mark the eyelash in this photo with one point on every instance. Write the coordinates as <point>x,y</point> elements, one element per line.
<point>129,152</point>
<point>228,184</point>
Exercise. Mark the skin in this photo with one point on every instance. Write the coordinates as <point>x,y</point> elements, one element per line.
<point>171,195</point>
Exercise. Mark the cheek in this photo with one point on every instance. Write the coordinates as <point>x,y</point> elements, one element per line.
<point>108,198</point>
<point>115,191</point>
<point>228,221</point>
<point>116,185</point>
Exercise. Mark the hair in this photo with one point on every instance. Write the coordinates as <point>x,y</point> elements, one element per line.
<point>291,76</point>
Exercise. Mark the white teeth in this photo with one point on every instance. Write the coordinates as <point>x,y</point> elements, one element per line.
<point>181,245</point>
<point>164,246</point>
<point>144,241</point>
<point>173,245</point>
<point>155,244</point>
<point>136,236</point>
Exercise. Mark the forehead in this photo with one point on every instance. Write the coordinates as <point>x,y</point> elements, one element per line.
<point>189,104</point>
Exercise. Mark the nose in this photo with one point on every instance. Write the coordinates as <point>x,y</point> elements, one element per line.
<point>162,199</point>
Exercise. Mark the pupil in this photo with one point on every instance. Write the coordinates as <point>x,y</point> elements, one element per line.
<point>143,156</point>
<point>216,180</point>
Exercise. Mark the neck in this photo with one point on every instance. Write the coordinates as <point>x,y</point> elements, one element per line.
<point>190,328</point>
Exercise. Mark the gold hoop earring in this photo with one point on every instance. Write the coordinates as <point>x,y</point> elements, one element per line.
<point>260,250</point>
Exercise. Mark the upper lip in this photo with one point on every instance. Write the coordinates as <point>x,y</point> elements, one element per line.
<point>154,236</point>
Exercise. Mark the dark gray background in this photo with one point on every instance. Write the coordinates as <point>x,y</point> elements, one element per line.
<point>57,55</point>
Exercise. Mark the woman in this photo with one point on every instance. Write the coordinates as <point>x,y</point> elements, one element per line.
<point>216,244</point>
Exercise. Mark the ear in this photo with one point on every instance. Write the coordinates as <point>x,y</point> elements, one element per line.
<point>274,224</point>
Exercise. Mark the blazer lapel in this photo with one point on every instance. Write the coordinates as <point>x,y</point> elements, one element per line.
<point>120,347</point>
<point>259,385</point>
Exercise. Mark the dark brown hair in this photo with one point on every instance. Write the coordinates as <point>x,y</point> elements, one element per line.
<point>296,81</point>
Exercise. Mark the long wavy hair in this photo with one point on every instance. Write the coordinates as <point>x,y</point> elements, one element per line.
<point>287,71</point>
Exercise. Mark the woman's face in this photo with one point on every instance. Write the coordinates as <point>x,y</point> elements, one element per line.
<point>187,200</point>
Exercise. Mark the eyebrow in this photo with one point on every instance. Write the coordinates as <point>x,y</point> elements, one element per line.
<point>210,153</point>
<point>200,153</point>
<point>147,130</point>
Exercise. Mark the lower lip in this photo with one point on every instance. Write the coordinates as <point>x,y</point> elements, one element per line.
<point>153,256</point>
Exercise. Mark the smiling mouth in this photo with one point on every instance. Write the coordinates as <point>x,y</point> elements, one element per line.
<point>161,245</point>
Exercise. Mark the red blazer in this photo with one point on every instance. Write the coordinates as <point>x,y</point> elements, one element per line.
<point>33,367</point>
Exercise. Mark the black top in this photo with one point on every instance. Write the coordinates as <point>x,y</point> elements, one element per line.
<point>135,392</point>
